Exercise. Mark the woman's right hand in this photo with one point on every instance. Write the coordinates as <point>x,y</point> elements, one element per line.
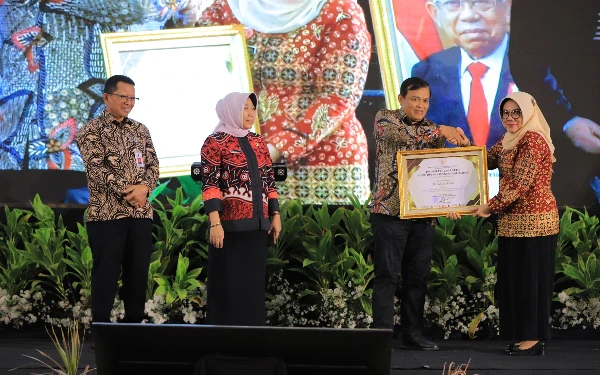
<point>217,235</point>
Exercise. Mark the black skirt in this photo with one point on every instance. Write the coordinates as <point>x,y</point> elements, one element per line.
<point>236,280</point>
<point>525,270</point>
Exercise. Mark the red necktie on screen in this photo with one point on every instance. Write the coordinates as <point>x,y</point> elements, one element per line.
<point>478,108</point>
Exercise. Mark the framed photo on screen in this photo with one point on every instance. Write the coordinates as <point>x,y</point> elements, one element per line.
<point>179,76</point>
<point>438,41</point>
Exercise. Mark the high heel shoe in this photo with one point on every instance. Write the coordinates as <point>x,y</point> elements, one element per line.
<point>538,349</point>
<point>511,347</point>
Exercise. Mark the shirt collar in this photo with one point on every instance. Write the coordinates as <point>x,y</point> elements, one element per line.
<point>107,117</point>
<point>405,119</point>
<point>492,61</point>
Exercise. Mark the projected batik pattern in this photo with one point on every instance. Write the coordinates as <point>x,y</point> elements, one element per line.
<point>309,82</point>
<point>52,74</point>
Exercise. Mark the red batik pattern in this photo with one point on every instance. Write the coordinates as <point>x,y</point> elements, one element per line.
<point>525,204</point>
<point>226,175</point>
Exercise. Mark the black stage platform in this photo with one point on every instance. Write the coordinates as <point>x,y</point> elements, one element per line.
<point>564,357</point>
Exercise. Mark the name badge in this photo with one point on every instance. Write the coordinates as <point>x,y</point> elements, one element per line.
<point>139,159</point>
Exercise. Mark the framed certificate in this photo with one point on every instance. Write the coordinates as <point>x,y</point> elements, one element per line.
<point>434,182</point>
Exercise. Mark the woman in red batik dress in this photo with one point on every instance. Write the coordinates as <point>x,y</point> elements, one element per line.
<point>241,202</point>
<point>309,62</point>
<point>528,224</point>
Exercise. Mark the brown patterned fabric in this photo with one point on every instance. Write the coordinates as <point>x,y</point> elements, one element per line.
<point>525,204</point>
<point>393,134</point>
<point>108,148</point>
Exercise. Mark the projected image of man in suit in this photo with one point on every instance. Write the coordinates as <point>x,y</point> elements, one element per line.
<point>470,78</point>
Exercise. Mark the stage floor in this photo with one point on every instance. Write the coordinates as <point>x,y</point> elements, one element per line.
<point>563,357</point>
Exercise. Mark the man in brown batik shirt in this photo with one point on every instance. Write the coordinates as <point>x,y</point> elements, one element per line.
<point>122,169</point>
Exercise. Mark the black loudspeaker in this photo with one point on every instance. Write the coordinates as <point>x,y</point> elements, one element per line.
<point>125,348</point>
<point>196,171</point>
<point>279,171</point>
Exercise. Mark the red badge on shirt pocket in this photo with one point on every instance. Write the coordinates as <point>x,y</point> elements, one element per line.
<point>139,159</point>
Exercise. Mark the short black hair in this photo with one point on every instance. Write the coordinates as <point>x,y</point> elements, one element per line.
<point>413,83</point>
<point>111,84</point>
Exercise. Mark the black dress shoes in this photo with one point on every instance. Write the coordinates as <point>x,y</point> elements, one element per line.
<point>414,341</point>
<point>538,349</point>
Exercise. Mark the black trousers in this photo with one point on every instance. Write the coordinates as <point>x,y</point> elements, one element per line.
<point>237,280</point>
<point>401,246</point>
<point>123,245</point>
<point>524,287</point>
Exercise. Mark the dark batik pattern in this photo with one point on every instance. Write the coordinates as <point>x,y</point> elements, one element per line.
<point>108,151</point>
<point>393,134</point>
<point>525,204</point>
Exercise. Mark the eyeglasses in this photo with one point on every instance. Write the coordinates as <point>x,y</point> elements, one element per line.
<point>515,114</point>
<point>476,5</point>
<point>125,98</point>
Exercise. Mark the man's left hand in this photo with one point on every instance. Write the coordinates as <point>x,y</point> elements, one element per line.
<point>136,195</point>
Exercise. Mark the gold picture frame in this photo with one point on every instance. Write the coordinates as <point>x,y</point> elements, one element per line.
<point>389,60</point>
<point>179,76</point>
<point>435,182</point>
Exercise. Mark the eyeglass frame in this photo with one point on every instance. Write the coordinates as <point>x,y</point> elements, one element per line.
<point>461,2</point>
<point>125,98</point>
<point>511,113</point>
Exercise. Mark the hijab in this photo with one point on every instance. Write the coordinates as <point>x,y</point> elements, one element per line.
<point>533,120</point>
<point>230,111</point>
<point>275,16</point>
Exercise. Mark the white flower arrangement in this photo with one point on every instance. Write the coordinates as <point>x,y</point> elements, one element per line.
<point>61,313</point>
<point>341,307</point>
<point>576,313</point>
<point>338,307</point>
<point>188,311</point>
<point>447,314</point>
<point>283,307</point>
<point>16,310</point>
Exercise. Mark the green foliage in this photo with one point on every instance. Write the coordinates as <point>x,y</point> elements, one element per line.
<point>47,250</point>
<point>182,229</point>
<point>17,227</point>
<point>80,259</point>
<point>357,229</point>
<point>180,287</point>
<point>291,229</point>
<point>445,272</point>
<point>586,273</point>
<point>465,253</point>
<point>332,250</point>
<point>325,249</point>
<point>577,254</point>
<point>16,273</point>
